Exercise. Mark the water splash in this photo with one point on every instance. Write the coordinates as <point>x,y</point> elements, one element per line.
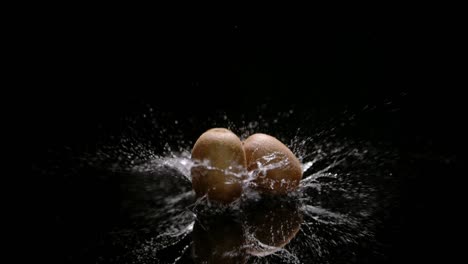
<point>336,206</point>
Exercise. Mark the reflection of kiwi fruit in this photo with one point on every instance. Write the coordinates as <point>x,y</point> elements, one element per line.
<point>218,239</point>
<point>223,151</point>
<point>282,169</point>
<point>272,223</point>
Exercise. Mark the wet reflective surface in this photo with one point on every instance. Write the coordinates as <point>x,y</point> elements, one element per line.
<point>262,229</point>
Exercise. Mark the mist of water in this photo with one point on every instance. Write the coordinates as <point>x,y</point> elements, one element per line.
<point>335,209</point>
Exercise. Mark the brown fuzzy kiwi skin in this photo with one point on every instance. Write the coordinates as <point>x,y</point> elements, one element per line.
<point>281,180</point>
<point>223,149</point>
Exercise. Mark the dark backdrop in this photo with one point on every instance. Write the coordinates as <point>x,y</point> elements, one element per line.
<point>93,72</point>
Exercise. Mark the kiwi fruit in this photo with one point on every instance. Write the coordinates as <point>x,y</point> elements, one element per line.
<point>276,169</point>
<point>219,165</point>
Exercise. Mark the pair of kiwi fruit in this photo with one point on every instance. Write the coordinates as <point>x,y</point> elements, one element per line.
<point>223,162</point>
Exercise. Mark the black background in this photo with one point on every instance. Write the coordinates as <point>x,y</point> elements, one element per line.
<point>90,72</point>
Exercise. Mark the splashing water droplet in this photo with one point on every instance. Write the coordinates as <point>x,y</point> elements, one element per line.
<point>335,206</point>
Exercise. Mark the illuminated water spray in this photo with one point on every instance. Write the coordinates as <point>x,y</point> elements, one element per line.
<point>332,215</point>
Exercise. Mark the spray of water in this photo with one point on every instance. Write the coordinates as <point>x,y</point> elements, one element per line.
<point>332,216</point>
